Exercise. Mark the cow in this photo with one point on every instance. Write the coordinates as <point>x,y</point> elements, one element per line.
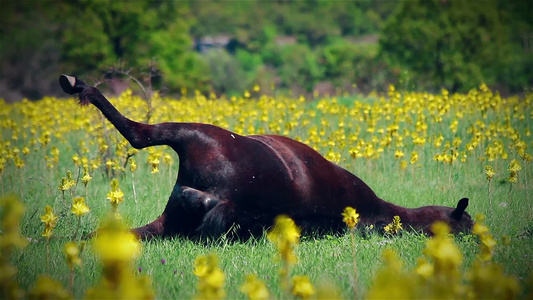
<point>230,182</point>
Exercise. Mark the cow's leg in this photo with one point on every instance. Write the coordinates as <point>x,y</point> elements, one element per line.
<point>218,220</point>
<point>183,214</point>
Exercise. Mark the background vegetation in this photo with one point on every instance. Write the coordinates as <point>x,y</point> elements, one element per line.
<point>299,46</point>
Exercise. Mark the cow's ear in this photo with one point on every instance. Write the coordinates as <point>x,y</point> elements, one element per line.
<point>457,213</point>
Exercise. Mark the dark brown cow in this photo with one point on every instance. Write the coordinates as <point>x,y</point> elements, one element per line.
<point>226,180</point>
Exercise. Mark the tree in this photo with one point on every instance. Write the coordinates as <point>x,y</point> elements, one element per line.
<point>135,33</point>
<point>451,44</point>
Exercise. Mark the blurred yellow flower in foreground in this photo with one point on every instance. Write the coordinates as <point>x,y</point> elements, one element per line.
<point>117,247</point>
<point>48,288</point>
<point>71,252</point>
<point>254,288</point>
<point>391,281</point>
<point>285,234</point>
<point>116,243</point>
<point>211,278</point>
<point>302,287</point>
<point>10,213</point>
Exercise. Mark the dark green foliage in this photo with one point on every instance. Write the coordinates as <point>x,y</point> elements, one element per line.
<point>455,44</point>
<point>293,44</point>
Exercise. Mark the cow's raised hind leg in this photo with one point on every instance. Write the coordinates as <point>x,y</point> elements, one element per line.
<point>139,135</point>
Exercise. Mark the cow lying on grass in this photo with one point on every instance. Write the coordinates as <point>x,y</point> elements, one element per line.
<point>227,180</point>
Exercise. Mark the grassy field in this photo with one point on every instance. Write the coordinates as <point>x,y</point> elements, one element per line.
<point>413,149</point>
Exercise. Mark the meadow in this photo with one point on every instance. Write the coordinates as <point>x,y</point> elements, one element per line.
<point>412,149</point>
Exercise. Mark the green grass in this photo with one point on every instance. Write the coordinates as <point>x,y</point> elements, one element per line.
<point>323,258</point>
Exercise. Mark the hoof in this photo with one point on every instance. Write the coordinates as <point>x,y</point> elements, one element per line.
<point>70,84</point>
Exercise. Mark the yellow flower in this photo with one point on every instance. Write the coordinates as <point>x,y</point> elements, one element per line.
<point>398,153</point>
<point>489,171</point>
<point>395,226</point>
<point>79,207</point>
<point>117,247</point>
<point>71,252</point>
<point>211,278</point>
<point>10,238</point>
<point>350,217</point>
<point>488,243</point>
<point>254,288</point>
<point>86,176</point>
<point>116,243</point>
<point>50,220</point>
<point>414,157</point>
<point>284,235</point>
<point>284,229</point>
<point>76,159</point>
<point>302,287</point>
<point>168,159</point>
<point>153,160</point>
<point>424,268</point>
<point>48,288</point>
<point>25,150</point>
<point>12,211</point>
<point>488,281</point>
<point>115,196</point>
<point>514,166</point>
<point>133,165</point>
<point>391,282</point>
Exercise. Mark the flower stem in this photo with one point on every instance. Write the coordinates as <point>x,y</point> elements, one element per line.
<point>77,229</point>
<point>71,281</point>
<point>354,265</point>
<point>48,255</point>
<point>490,200</point>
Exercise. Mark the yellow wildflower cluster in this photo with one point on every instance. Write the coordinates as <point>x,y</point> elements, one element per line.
<point>302,287</point>
<point>412,127</point>
<point>48,288</point>
<point>394,227</point>
<point>71,252</point>
<point>50,220</point>
<point>441,272</point>
<point>86,178</point>
<point>211,278</point>
<point>67,182</point>
<point>254,288</point>
<point>487,240</point>
<point>79,207</point>
<point>10,239</point>
<point>437,276</point>
<point>117,248</point>
<point>153,160</point>
<point>285,235</point>
<point>115,196</point>
<point>514,167</point>
<point>392,281</point>
<point>350,217</point>
<point>489,172</point>
<point>391,131</point>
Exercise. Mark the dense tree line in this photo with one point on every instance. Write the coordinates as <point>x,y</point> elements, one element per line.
<point>301,46</point>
